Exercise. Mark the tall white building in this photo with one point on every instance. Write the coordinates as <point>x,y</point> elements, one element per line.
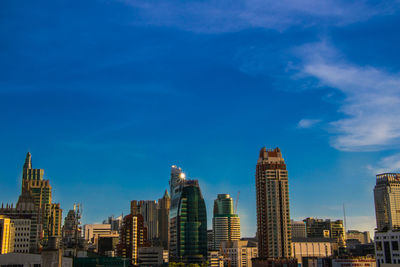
<point>226,224</point>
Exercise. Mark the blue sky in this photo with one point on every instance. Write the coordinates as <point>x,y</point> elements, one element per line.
<point>107,95</point>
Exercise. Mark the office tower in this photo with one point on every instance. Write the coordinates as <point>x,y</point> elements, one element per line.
<point>132,236</point>
<point>298,229</point>
<point>226,224</point>
<point>6,235</point>
<point>164,205</point>
<point>149,211</point>
<point>50,215</point>
<point>387,201</point>
<point>188,220</point>
<point>326,229</point>
<point>273,217</point>
<point>239,252</point>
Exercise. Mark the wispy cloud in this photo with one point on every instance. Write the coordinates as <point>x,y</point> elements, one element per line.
<point>227,16</point>
<point>307,123</point>
<point>371,107</point>
<point>386,164</point>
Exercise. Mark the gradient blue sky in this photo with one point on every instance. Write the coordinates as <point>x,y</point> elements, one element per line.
<point>107,95</point>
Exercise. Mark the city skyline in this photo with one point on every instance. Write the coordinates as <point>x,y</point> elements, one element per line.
<point>126,210</point>
<point>106,94</point>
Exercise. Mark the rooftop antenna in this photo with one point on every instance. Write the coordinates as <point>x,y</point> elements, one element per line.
<point>344,215</point>
<point>237,201</point>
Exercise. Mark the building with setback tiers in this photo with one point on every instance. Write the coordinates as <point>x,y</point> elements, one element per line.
<point>50,214</point>
<point>188,220</point>
<point>273,215</point>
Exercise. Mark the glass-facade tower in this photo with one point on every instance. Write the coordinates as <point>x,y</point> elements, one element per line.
<point>188,222</point>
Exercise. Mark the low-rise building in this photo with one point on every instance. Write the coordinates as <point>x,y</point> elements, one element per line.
<point>353,262</point>
<point>298,229</point>
<point>215,259</point>
<point>29,260</point>
<point>363,237</point>
<point>151,256</point>
<point>313,247</point>
<point>240,252</point>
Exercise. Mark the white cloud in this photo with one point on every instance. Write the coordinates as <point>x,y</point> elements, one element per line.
<point>227,16</point>
<point>307,123</point>
<point>371,107</point>
<point>386,164</point>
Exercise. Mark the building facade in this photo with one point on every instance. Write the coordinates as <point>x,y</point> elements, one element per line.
<point>313,248</point>
<point>362,237</point>
<point>240,253</point>
<point>22,235</point>
<point>387,247</point>
<point>226,224</point>
<point>319,228</point>
<point>273,214</point>
<point>133,235</point>
<point>188,220</point>
<point>299,229</point>
<point>50,214</point>
<point>6,235</point>
<point>164,205</point>
<point>387,201</point>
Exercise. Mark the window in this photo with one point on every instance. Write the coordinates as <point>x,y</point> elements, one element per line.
<point>395,245</point>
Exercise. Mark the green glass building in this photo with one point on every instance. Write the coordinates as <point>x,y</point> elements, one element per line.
<point>188,224</point>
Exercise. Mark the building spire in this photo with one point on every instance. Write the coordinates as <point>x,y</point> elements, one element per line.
<point>28,161</point>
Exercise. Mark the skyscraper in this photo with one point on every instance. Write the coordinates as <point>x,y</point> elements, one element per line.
<point>50,214</point>
<point>188,220</point>
<point>226,224</point>
<point>273,216</point>
<point>387,201</point>
<point>164,205</point>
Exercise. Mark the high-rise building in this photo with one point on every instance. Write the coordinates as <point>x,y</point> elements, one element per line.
<point>273,216</point>
<point>6,235</point>
<point>299,229</point>
<point>164,205</point>
<point>387,201</point>
<point>188,220</point>
<point>133,235</point>
<point>226,224</point>
<point>319,228</point>
<point>50,214</point>
<point>149,210</point>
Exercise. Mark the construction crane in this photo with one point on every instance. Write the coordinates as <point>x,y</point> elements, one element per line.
<point>237,201</point>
